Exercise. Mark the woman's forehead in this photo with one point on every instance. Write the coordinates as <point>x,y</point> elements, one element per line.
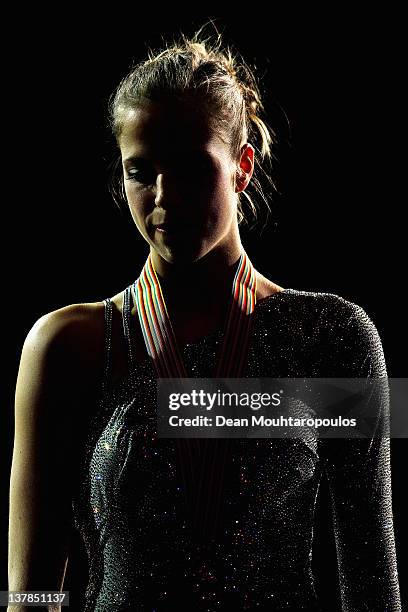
<point>152,127</point>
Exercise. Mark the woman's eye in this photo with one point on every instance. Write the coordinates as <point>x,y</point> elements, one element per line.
<point>189,169</point>
<point>141,176</point>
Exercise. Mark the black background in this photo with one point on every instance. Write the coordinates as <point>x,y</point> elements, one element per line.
<point>331,89</point>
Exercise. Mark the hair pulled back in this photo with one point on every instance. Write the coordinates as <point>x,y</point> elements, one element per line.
<point>222,83</point>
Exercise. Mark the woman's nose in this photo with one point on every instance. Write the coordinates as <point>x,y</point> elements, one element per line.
<point>167,192</point>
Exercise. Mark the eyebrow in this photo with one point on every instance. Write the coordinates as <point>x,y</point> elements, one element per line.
<point>193,154</point>
<point>135,159</point>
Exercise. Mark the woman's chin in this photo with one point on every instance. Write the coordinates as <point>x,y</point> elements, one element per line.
<point>181,251</point>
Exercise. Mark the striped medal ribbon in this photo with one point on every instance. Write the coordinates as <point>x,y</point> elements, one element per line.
<point>158,332</point>
<point>202,461</point>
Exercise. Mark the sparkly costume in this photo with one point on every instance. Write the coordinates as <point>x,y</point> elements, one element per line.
<point>154,546</point>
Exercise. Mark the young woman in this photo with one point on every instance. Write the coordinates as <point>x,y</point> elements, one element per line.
<point>193,524</point>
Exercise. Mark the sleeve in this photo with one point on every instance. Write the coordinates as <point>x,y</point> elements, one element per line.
<point>359,477</point>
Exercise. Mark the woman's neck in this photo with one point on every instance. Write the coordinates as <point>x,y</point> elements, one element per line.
<point>205,284</point>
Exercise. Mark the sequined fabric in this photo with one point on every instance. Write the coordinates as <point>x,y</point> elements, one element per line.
<point>249,548</point>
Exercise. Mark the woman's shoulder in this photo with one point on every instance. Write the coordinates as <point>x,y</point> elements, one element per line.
<point>307,301</point>
<point>333,310</point>
<point>75,332</point>
<point>328,303</point>
<point>338,323</point>
<point>317,310</point>
<point>67,325</point>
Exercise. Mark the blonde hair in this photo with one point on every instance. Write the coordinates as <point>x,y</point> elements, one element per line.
<point>225,87</point>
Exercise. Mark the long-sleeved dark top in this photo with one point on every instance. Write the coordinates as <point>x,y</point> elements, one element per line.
<point>241,540</point>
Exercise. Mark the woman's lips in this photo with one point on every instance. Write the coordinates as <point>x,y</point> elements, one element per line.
<point>167,228</point>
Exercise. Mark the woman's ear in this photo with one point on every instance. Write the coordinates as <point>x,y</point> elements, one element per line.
<point>245,167</point>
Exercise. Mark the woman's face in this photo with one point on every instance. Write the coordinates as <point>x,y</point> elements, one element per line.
<point>179,180</point>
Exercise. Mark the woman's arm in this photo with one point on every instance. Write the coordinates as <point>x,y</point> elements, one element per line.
<point>359,476</point>
<point>47,404</point>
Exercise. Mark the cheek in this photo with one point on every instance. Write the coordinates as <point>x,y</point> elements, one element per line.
<point>220,188</point>
<point>137,201</point>
<point>138,211</point>
<point>225,196</point>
